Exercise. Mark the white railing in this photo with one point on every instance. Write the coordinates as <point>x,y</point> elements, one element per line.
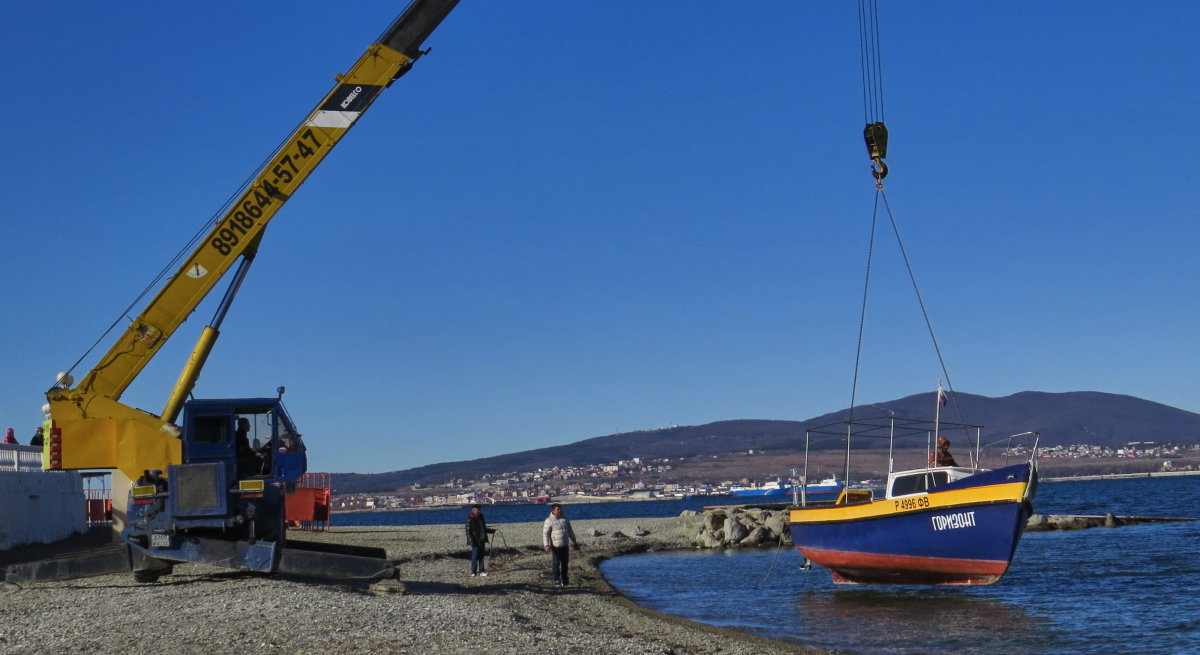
<point>20,458</point>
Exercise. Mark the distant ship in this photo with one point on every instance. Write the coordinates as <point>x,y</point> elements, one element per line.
<point>826,489</point>
<point>517,500</point>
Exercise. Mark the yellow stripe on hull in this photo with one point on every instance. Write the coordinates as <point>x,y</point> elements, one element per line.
<point>1009,492</point>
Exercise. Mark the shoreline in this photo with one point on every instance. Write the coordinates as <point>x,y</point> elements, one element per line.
<point>1121,476</point>
<point>562,500</point>
<point>515,609</point>
<point>570,500</point>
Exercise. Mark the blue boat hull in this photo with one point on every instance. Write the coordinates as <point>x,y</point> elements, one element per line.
<point>963,533</point>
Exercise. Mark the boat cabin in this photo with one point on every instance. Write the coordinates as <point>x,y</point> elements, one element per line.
<point>919,481</point>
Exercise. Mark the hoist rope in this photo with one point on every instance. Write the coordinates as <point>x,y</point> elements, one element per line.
<point>921,303</point>
<point>779,547</point>
<point>872,79</point>
<point>872,68</point>
<point>912,277</point>
<point>173,265</point>
<point>862,323</point>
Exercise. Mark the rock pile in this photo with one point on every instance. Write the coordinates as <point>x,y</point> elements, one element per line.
<point>740,527</point>
<point>1051,522</point>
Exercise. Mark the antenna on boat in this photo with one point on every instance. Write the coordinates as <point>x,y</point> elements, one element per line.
<point>937,412</point>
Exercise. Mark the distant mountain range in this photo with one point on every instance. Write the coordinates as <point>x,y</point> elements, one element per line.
<point>1077,417</point>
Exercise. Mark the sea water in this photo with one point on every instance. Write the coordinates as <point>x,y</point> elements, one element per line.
<point>498,514</point>
<point>1134,588</point>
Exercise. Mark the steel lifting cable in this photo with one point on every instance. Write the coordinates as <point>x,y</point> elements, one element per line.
<point>187,248</point>
<point>875,132</point>
<point>875,135</point>
<point>880,194</point>
<point>912,277</point>
<point>862,323</point>
<point>872,68</point>
<point>771,566</point>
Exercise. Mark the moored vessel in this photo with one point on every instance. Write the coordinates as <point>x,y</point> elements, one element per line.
<point>827,489</point>
<point>937,524</point>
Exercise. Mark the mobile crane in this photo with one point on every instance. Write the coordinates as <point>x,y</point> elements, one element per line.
<point>202,489</point>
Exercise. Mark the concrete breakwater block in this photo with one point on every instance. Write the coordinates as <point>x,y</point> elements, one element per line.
<point>1052,522</point>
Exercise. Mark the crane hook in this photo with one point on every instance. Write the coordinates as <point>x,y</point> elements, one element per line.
<point>879,169</point>
<point>876,136</point>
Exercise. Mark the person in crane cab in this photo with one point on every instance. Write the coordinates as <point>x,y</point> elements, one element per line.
<point>248,461</point>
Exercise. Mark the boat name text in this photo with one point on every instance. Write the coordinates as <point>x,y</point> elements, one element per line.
<point>953,521</point>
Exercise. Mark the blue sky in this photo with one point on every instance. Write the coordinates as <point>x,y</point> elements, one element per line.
<point>573,219</point>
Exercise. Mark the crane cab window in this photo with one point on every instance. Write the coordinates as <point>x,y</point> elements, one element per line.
<point>259,428</point>
<point>254,427</point>
<point>287,438</point>
<point>211,429</point>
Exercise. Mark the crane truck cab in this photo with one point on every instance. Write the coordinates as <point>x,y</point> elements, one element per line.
<point>226,500</point>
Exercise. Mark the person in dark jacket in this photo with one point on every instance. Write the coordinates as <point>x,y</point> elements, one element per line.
<point>944,458</point>
<point>477,538</point>
<point>39,436</point>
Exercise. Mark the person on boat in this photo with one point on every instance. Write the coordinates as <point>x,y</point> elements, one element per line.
<point>944,458</point>
<point>556,534</point>
<point>10,437</point>
<point>39,437</point>
<point>477,538</point>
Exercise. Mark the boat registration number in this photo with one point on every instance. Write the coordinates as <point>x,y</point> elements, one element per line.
<point>160,540</point>
<point>912,503</point>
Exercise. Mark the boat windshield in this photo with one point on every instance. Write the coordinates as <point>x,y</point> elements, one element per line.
<point>915,483</point>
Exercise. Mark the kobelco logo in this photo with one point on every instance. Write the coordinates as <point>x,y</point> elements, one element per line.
<point>350,98</point>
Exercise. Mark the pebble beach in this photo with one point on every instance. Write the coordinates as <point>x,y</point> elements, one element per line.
<point>515,609</point>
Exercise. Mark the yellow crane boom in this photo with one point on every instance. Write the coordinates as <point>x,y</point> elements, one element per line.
<point>92,428</point>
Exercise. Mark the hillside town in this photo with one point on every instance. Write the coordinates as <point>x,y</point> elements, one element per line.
<point>627,480</point>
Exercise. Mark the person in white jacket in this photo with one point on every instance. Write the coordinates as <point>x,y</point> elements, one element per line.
<point>556,534</point>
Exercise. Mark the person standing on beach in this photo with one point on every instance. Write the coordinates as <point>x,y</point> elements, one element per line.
<point>556,534</point>
<point>477,537</point>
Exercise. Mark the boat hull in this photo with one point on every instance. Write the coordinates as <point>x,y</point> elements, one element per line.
<point>964,533</point>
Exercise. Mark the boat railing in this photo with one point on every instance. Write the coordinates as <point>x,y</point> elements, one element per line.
<point>894,429</point>
<point>1010,451</point>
